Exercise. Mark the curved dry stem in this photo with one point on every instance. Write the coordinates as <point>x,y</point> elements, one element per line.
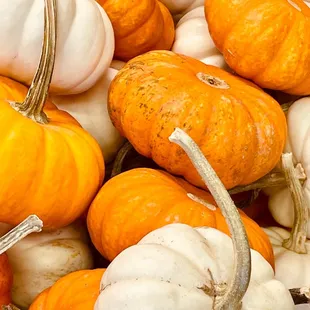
<point>201,201</point>
<point>32,107</point>
<point>31,224</point>
<point>9,307</point>
<point>119,160</point>
<point>242,267</point>
<point>272,179</point>
<point>298,236</point>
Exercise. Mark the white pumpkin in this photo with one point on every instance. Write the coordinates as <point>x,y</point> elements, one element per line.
<point>298,142</point>
<point>85,42</point>
<point>179,8</point>
<point>192,38</point>
<point>183,268</point>
<point>39,260</point>
<point>90,110</point>
<point>178,267</point>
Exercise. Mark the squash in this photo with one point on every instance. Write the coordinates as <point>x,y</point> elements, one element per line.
<point>160,90</point>
<point>139,26</point>
<point>90,110</point>
<point>77,290</point>
<point>298,142</point>
<point>46,257</point>
<point>192,38</point>
<point>85,43</point>
<point>262,45</point>
<point>121,209</point>
<point>57,167</point>
<point>293,249</point>
<point>179,8</point>
<point>30,225</point>
<point>179,267</point>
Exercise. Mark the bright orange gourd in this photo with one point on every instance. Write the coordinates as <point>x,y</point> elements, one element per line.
<point>50,166</point>
<point>240,129</point>
<point>139,26</point>
<point>6,280</point>
<point>77,290</point>
<point>138,201</point>
<point>265,41</point>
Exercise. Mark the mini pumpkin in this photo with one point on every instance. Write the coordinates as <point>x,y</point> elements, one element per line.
<point>159,90</point>
<point>135,202</point>
<point>139,26</point>
<point>90,110</point>
<point>180,267</point>
<point>84,33</point>
<point>57,167</point>
<point>179,8</point>
<point>46,257</point>
<point>192,38</point>
<point>298,142</point>
<point>77,290</point>
<point>262,45</point>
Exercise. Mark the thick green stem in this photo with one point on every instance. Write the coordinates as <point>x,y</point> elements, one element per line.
<point>33,105</point>
<point>31,224</point>
<point>231,298</point>
<point>298,236</point>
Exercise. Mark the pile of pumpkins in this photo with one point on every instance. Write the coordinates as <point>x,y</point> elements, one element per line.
<point>154,154</point>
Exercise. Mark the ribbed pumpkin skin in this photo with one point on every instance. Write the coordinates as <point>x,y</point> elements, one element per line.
<point>77,290</point>
<point>53,170</point>
<point>6,280</point>
<point>241,130</point>
<point>265,41</point>
<point>136,202</point>
<point>139,26</point>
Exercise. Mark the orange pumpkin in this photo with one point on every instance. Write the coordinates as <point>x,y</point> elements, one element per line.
<point>139,26</point>
<point>77,290</point>
<point>6,280</point>
<point>265,41</point>
<point>240,129</point>
<point>138,201</point>
<point>50,166</point>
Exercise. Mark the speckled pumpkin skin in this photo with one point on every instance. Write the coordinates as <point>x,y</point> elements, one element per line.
<point>239,128</point>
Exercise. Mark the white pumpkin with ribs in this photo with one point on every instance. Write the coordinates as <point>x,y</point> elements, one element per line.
<point>85,42</point>
<point>192,38</point>
<point>183,268</point>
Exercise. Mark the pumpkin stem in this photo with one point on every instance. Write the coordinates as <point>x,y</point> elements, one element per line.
<point>31,224</point>
<point>300,295</point>
<point>297,239</point>
<point>272,179</point>
<point>119,160</point>
<point>242,269</point>
<point>32,107</point>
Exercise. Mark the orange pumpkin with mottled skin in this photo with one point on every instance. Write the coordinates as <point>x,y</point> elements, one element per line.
<point>6,280</point>
<point>240,129</point>
<point>53,170</point>
<point>77,290</point>
<point>265,41</point>
<point>139,26</point>
<point>138,201</point>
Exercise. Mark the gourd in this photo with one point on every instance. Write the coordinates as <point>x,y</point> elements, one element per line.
<point>84,33</point>
<point>293,249</point>
<point>30,225</point>
<point>46,257</point>
<point>139,26</point>
<point>298,142</point>
<point>57,167</point>
<point>262,45</point>
<point>90,110</point>
<point>179,8</point>
<point>135,202</point>
<point>179,267</point>
<point>222,112</point>
<point>192,38</point>
<point>77,290</point>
